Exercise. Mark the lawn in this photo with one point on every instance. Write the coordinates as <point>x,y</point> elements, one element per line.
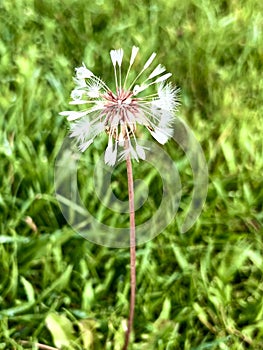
<point>201,289</point>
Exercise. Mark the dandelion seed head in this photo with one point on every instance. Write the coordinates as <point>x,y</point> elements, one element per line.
<point>118,112</point>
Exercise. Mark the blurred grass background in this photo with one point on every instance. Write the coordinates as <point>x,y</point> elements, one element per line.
<point>200,290</point>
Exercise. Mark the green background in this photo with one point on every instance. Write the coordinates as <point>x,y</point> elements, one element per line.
<point>199,290</point>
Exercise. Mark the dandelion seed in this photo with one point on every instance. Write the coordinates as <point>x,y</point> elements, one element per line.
<point>119,112</point>
<point>158,70</point>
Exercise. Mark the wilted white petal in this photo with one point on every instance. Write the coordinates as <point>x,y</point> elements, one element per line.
<point>98,128</point>
<point>93,94</point>
<point>76,115</point>
<point>152,57</point>
<point>77,94</point>
<point>156,105</point>
<point>110,156</point>
<point>133,154</point>
<point>120,57</point>
<point>80,130</point>
<point>116,56</point>
<point>163,78</point>
<point>133,54</point>
<point>141,118</point>
<point>121,140</point>
<point>113,57</point>
<point>137,89</point>
<point>129,151</point>
<point>166,119</point>
<point>164,90</point>
<point>158,70</point>
<point>161,103</point>
<point>140,151</point>
<point>83,72</point>
<point>123,155</point>
<point>159,136</point>
<point>94,90</point>
<point>80,83</point>
<point>85,145</point>
<point>110,153</point>
<point>167,130</point>
<point>65,113</point>
<point>78,102</point>
<point>167,97</point>
<point>73,115</point>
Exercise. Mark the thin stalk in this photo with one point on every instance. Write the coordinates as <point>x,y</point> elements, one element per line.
<point>132,251</point>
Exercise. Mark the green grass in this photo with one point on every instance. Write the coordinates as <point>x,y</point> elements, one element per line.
<point>199,290</point>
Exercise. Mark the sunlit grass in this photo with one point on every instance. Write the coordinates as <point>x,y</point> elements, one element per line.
<point>200,290</point>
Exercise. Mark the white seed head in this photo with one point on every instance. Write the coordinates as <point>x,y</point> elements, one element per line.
<point>117,113</point>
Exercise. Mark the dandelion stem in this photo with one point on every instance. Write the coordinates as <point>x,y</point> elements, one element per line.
<point>132,250</point>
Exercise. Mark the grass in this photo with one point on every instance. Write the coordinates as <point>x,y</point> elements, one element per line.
<point>198,290</point>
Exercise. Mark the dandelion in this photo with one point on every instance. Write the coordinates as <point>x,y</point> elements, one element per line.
<point>119,112</point>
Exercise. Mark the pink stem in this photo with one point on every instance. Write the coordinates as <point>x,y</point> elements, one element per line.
<point>132,251</point>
